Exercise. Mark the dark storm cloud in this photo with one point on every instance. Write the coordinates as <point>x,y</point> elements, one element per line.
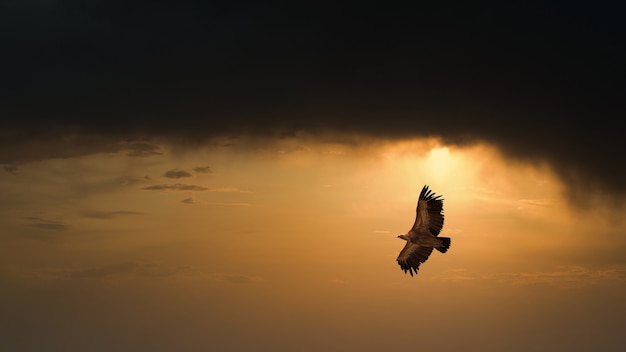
<point>48,140</point>
<point>544,81</point>
<point>176,174</point>
<point>175,187</point>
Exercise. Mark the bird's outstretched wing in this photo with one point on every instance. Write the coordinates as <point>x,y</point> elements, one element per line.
<point>411,256</point>
<point>429,211</point>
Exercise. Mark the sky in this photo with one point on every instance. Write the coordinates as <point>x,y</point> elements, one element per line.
<point>199,176</point>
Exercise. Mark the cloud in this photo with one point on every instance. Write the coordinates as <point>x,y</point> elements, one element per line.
<point>498,80</point>
<point>12,169</point>
<point>105,271</point>
<point>50,226</point>
<point>175,187</point>
<point>237,278</point>
<point>561,277</point>
<point>539,202</point>
<point>192,201</point>
<point>108,214</point>
<point>229,190</point>
<point>46,224</point>
<point>203,169</point>
<point>123,269</point>
<point>142,150</point>
<point>230,204</point>
<point>188,187</point>
<point>176,174</point>
<point>132,181</point>
<point>455,275</point>
<point>565,276</point>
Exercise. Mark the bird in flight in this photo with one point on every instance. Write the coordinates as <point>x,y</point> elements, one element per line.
<point>422,238</point>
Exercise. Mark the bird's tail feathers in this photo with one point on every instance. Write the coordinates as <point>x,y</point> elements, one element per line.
<point>445,244</point>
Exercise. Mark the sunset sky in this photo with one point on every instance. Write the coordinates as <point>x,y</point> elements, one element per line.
<point>195,177</point>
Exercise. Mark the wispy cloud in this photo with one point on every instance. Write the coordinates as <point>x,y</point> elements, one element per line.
<point>176,174</point>
<point>46,224</point>
<point>229,190</point>
<point>175,187</point>
<point>142,150</point>
<point>131,181</point>
<point>230,204</point>
<point>236,278</point>
<point>455,275</point>
<point>538,202</point>
<point>12,169</point>
<point>192,201</point>
<point>189,201</point>
<point>483,193</point>
<point>188,187</point>
<point>561,277</point>
<point>123,269</point>
<point>203,169</point>
<point>105,271</point>
<point>565,276</point>
<point>108,214</point>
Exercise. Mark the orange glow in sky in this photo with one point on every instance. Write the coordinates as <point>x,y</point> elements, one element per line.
<point>296,241</point>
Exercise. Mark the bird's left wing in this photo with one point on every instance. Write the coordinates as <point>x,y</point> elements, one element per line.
<point>411,256</point>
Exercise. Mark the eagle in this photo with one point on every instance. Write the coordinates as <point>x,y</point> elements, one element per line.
<point>423,237</point>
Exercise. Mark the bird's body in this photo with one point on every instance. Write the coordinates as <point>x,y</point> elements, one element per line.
<point>422,238</point>
<point>425,240</point>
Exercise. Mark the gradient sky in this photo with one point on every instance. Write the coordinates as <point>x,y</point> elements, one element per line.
<point>199,177</point>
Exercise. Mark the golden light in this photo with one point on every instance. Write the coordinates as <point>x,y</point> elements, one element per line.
<point>301,226</point>
<point>439,162</point>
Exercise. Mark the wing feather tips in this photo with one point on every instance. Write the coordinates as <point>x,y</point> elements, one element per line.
<point>405,267</point>
<point>435,212</point>
<point>433,204</point>
<point>412,256</point>
<point>424,191</point>
<point>410,267</point>
<point>427,194</point>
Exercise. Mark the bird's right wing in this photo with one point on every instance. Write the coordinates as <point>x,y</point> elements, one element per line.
<point>429,213</point>
<point>411,256</point>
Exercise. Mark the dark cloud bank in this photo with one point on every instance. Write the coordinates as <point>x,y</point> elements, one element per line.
<point>542,80</point>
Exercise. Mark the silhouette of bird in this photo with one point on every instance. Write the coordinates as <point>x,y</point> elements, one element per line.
<point>422,238</point>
